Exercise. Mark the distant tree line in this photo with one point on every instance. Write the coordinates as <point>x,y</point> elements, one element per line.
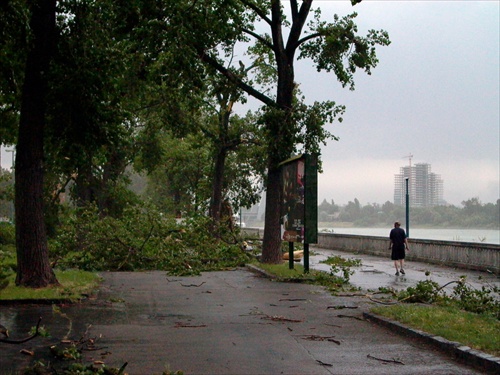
<point>472,214</point>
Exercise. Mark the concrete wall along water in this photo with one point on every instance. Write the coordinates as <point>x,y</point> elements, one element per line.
<point>467,255</point>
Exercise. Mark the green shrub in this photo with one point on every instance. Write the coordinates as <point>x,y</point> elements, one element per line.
<point>483,301</point>
<point>423,292</point>
<point>340,265</point>
<point>7,234</point>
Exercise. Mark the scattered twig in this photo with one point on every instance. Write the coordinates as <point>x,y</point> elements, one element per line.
<point>324,364</point>
<point>333,325</point>
<point>341,307</point>
<point>293,299</point>
<point>182,325</point>
<point>93,348</point>
<point>386,360</point>
<point>316,337</point>
<point>321,338</point>
<point>334,341</point>
<point>190,285</point>
<point>385,292</point>
<point>122,369</point>
<point>171,281</point>
<point>451,282</point>
<point>383,303</point>
<point>350,316</point>
<point>281,319</point>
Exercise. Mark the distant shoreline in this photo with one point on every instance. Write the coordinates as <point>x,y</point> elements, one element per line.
<point>347,224</point>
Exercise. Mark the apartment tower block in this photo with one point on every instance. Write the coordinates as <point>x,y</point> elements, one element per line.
<point>425,188</point>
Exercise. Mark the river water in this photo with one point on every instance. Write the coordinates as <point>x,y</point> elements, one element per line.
<point>490,236</point>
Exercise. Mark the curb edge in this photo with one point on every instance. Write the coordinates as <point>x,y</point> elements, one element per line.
<point>476,358</point>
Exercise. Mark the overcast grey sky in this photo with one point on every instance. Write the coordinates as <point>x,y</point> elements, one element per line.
<point>434,94</point>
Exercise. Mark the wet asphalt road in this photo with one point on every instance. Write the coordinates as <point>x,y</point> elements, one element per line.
<point>231,322</point>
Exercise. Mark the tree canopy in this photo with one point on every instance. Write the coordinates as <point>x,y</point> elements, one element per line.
<point>91,88</point>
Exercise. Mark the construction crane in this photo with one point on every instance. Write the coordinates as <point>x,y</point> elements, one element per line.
<point>409,158</point>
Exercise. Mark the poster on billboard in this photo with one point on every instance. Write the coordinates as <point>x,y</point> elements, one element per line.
<point>299,208</point>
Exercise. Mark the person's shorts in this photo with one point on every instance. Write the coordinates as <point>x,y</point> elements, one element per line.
<point>398,252</point>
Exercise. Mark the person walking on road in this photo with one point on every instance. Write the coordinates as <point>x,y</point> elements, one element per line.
<point>399,243</point>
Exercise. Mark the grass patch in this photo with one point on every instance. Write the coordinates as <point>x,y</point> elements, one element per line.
<point>282,270</point>
<point>74,285</point>
<point>479,331</point>
<point>333,282</point>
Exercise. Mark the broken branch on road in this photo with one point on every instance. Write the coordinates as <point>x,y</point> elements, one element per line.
<point>386,360</point>
<point>321,338</point>
<point>277,318</point>
<point>37,332</point>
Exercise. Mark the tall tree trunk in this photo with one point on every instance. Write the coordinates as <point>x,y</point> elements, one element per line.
<point>33,266</point>
<point>271,249</point>
<point>217,185</point>
<point>281,129</point>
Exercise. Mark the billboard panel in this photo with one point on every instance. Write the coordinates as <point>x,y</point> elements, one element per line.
<point>299,199</point>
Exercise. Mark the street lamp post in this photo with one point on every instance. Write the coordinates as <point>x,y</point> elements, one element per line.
<point>407,208</point>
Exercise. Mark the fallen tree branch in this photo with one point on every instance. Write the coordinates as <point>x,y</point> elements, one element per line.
<point>37,332</point>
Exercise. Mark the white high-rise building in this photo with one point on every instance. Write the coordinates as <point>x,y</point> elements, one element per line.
<point>425,188</point>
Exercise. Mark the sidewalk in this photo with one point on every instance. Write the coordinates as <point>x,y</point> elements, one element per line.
<point>231,322</point>
<point>378,272</point>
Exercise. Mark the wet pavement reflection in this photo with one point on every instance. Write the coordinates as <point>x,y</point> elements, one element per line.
<point>376,272</point>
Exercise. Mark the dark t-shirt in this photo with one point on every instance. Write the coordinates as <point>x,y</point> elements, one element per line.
<point>398,236</point>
